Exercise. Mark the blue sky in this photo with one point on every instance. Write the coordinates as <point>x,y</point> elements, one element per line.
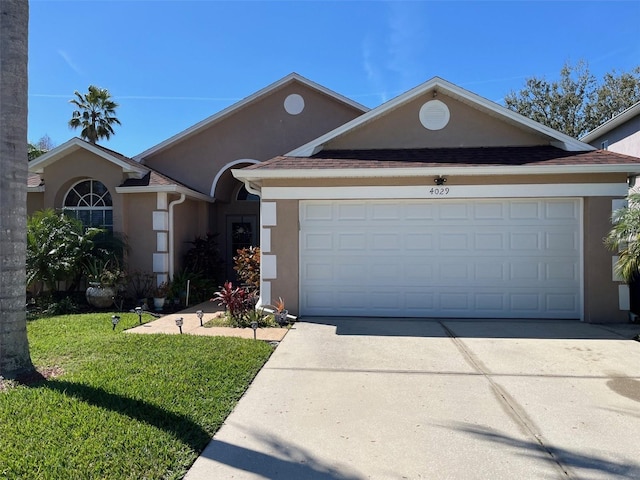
<point>171,64</point>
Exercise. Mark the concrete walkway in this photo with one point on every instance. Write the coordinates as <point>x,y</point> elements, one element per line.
<point>403,399</point>
<point>191,325</point>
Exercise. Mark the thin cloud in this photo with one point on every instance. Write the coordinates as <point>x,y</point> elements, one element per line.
<point>65,56</point>
<point>146,97</point>
<point>403,37</point>
<point>373,72</point>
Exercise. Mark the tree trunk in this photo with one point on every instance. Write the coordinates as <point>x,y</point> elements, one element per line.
<point>14,346</point>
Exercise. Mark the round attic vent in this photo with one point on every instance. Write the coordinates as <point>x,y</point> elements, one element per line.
<point>294,104</point>
<point>434,115</point>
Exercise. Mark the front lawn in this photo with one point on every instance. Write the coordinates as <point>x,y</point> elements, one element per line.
<point>123,406</point>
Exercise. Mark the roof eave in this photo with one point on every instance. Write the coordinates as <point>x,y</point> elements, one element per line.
<point>614,122</point>
<point>39,164</point>
<point>166,189</point>
<point>556,138</point>
<point>242,103</point>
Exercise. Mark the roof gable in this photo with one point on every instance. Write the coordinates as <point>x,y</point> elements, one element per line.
<point>630,113</point>
<point>386,118</point>
<point>128,166</point>
<point>260,94</point>
<point>139,178</point>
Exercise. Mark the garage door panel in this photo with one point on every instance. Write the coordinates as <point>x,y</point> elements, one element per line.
<point>318,241</point>
<point>450,258</point>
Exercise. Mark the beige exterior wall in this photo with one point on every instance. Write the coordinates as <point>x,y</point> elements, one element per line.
<point>82,165</point>
<point>451,180</point>
<point>285,246</point>
<point>190,220</point>
<point>601,299</point>
<point>138,225</point>
<point>258,131</point>
<point>600,291</point>
<point>132,212</point>
<point>467,127</point>
<point>35,202</point>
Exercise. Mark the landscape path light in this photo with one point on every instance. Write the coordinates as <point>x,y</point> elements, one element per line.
<point>254,325</point>
<point>200,314</point>
<point>138,310</point>
<point>114,320</point>
<point>179,323</point>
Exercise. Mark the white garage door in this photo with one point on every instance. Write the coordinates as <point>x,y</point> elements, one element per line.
<point>506,258</point>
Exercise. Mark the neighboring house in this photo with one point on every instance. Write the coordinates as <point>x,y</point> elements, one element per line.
<point>440,203</point>
<point>182,188</point>
<point>621,134</point>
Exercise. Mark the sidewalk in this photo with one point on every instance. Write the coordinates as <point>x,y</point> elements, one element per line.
<point>191,325</point>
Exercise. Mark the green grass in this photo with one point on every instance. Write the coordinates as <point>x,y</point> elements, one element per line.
<point>127,406</point>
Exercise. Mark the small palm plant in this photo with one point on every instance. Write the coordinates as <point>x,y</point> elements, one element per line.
<point>624,238</point>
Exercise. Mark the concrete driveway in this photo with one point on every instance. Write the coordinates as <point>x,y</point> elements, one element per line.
<point>396,399</point>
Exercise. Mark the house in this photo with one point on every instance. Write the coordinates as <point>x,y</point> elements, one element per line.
<point>621,134</point>
<point>165,197</point>
<point>440,203</point>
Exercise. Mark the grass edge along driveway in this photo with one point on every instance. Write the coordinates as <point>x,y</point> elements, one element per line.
<point>124,406</point>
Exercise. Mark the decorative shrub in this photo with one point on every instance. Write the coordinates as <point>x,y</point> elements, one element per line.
<point>57,248</point>
<point>247,265</point>
<point>204,258</point>
<point>141,284</point>
<point>239,303</point>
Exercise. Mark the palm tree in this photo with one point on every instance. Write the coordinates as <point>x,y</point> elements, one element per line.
<point>624,238</point>
<point>14,346</point>
<point>95,114</point>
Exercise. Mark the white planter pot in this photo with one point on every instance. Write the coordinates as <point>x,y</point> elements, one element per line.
<point>158,303</point>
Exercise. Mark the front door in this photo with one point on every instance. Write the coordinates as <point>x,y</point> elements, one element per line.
<point>241,233</point>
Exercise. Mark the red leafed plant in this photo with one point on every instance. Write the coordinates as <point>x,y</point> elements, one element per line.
<point>238,302</point>
<point>247,264</point>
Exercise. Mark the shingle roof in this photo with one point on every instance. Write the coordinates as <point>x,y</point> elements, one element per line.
<point>445,157</point>
<point>152,178</point>
<point>34,180</point>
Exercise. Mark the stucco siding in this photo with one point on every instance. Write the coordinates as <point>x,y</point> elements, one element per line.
<point>82,165</point>
<point>138,226</point>
<point>35,202</point>
<point>623,139</point>
<point>600,291</point>
<point>258,131</point>
<point>190,220</point>
<point>467,127</point>
<point>451,180</point>
<point>285,247</point>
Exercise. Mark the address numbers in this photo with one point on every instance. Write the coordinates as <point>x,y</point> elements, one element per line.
<point>439,191</point>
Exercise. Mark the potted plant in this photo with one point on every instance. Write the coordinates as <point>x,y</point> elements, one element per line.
<point>141,284</point>
<point>281,312</point>
<point>160,295</point>
<point>105,279</point>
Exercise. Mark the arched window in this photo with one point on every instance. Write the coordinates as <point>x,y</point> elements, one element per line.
<point>90,202</point>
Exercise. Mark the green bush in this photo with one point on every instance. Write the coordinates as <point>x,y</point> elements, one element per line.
<point>57,248</point>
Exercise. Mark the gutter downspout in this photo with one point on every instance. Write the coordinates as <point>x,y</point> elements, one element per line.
<point>171,233</point>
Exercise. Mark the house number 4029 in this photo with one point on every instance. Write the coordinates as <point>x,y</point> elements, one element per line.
<point>439,191</point>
